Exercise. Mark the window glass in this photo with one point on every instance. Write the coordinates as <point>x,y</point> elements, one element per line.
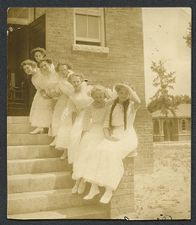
<point>81,26</point>
<point>93,27</point>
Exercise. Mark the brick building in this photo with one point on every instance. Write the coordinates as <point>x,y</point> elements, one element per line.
<point>105,44</point>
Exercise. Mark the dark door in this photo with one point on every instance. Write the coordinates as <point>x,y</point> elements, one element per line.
<point>18,50</point>
<point>20,43</point>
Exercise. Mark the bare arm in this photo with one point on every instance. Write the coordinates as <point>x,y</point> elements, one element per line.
<point>135,98</point>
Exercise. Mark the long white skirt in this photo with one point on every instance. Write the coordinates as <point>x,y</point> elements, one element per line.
<point>85,150</point>
<point>75,137</point>
<point>69,134</point>
<point>58,111</point>
<point>104,165</point>
<point>41,111</point>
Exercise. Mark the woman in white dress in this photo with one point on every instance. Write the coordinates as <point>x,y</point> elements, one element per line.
<point>70,129</point>
<point>41,108</point>
<point>63,70</point>
<point>105,165</point>
<point>92,135</point>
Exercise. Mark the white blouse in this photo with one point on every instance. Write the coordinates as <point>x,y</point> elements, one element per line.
<point>118,115</point>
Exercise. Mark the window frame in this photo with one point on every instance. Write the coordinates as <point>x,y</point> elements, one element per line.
<point>90,12</point>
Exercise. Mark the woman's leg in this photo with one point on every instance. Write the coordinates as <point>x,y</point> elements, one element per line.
<point>93,192</point>
<point>75,187</point>
<point>38,130</point>
<point>106,196</point>
<point>64,155</point>
<point>53,143</point>
<point>82,186</point>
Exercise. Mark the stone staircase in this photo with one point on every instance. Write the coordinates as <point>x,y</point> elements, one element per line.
<point>39,182</point>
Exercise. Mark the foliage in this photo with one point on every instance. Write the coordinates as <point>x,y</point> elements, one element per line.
<point>188,37</point>
<point>177,100</point>
<point>164,82</point>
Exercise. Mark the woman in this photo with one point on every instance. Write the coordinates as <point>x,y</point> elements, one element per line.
<point>38,54</point>
<point>70,129</point>
<point>63,70</point>
<point>91,137</point>
<point>41,108</point>
<point>120,139</point>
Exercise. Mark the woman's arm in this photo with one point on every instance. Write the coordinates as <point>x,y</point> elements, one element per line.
<point>135,98</point>
<point>106,129</point>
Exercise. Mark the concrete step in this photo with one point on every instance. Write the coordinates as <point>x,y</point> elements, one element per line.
<point>19,128</point>
<point>28,139</point>
<point>16,104</point>
<point>13,111</point>
<point>82,212</point>
<point>39,182</point>
<point>32,152</point>
<point>29,202</point>
<point>18,119</point>
<point>25,166</point>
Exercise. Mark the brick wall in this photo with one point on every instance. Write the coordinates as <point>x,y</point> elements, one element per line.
<point>122,201</point>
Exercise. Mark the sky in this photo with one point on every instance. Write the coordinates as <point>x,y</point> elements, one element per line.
<point>164,29</point>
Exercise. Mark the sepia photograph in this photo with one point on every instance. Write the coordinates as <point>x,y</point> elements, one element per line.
<point>99,113</point>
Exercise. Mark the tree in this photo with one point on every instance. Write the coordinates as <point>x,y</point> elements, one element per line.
<point>162,100</point>
<point>164,82</point>
<point>182,99</point>
<point>188,37</point>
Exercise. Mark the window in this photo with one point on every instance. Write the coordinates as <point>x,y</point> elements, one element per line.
<point>22,16</point>
<point>89,26</point>
<point>183,125</point>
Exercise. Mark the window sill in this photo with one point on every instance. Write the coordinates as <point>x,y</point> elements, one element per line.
<point>90,48</point>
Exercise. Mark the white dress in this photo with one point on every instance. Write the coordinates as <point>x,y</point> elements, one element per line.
<point>41,108</point>
<point>105,161</point>
<point>66,89</point>
<point>93,127</point>
<point>69,132</point>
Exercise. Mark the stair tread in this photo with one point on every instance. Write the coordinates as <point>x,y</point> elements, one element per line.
<point>33,160</point>
<point>36,175</point>
<point>15,196</point>
<point>26,146</point>
<point>30,135</point>
<point>17,119</point>
<point>74,212</point>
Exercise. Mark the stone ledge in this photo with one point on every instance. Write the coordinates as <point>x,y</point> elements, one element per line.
<point>89,48</point>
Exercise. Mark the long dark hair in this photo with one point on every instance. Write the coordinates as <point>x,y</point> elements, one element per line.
<point>125,107</point>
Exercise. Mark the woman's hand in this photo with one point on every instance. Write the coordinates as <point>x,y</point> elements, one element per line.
<point>44,94</point>
<point>112,138</point>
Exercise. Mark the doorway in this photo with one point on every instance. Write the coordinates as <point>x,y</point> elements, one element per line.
<point>168,130</point>
<point>21,40</point>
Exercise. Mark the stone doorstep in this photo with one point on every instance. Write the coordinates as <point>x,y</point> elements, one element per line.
<point>46,201</point>
<point>28,139</point>
<point>18,119</point>
<point>39,182</point>
<point>83,212</point>
<point>18,128</point>
<point>26,166</point>
<point>32,152</point>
